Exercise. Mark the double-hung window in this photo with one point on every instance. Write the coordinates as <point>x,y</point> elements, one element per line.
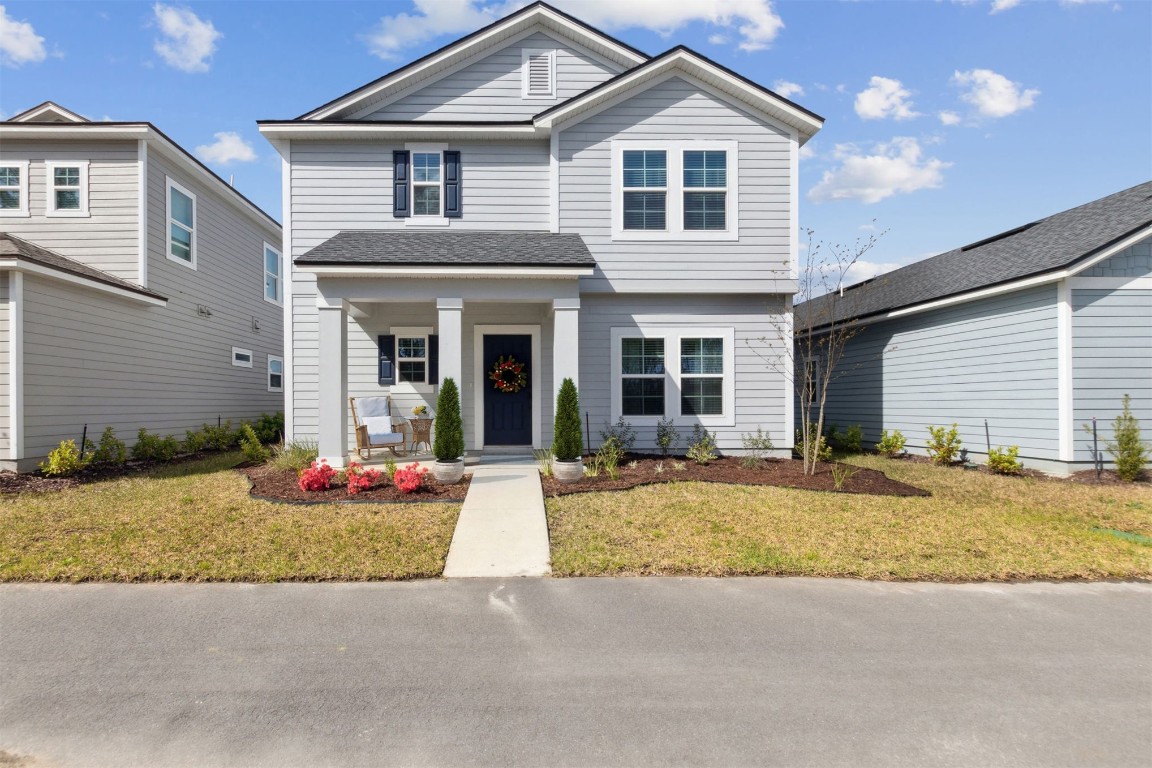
<point>412,359</point>
<point>67,184</point>
<point>273,275</point>
<point>275,374</point>
<point>645,189</point>
<point>671,372</point>
<point>642,376</point>
<point>427,180</point>
<point>705,189</point>
<point>701,376</point>
<point>14,188</point>
<point>181,224</point>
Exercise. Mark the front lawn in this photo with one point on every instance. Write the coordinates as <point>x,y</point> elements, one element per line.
<point>195,522</point>
<point>975,526</point>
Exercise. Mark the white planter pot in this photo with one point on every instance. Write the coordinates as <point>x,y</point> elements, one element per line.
<point>448,472</point>
<point>568,471</point>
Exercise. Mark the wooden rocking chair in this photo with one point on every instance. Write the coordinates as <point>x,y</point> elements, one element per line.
<point>376,427</point>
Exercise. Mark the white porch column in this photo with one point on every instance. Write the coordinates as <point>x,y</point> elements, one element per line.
<point>332,429</point>
<point>565,343</point>
<point>451,330</point>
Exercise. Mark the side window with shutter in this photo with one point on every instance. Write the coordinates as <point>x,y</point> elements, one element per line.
<point>400,178</point>
<point>453,201</point>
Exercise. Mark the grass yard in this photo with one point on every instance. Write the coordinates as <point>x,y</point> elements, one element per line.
<point>975,526</point>
<point>195,522</point>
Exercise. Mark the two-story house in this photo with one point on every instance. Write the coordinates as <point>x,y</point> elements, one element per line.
<point>137,288</point>
<point>542,192</point>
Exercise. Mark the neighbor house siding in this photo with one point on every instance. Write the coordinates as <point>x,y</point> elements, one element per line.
<point>5,381</point>
<point>108,239</point>
<point>490,89</point>
<point>678,110</point>
<point>761,391</point>
<point>1111,357</point>
<point>993,359</point>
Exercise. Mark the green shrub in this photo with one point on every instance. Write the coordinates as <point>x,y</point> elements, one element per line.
<point>608,457</point>
<point>110,450</point>
<point>254,450</point>
<point>823,450</point>
<point>667,437</point>
<point>944,445</point>
<point>840,475</point>
<point>567,442</point>
<point>1004,461</point>
<point>623,432</point>
<point>390,468</point>
<point>220,438</point>
<point>544,458</point>
<point>64,460</point>
<point>297,456</point>
<point>151,447</point>
<point>1128,449</point>
<point>702,445</point>
<point>756,448</point>
<point>852,439</point>
<point>449,442</point>
<point>269,428</point>
<point>195,441</point>
<point>891,443</point>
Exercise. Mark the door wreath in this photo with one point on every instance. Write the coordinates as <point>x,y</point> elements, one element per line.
<point>508,375</point>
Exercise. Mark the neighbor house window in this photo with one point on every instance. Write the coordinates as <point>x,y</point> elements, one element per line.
<point>273,275</point>
<point>701,376</point>
<point>412,359</point>
<point>14,189</point>
<point>242,358</point>
<point>645,189</point>
<point>426,183</point>
<point>67,189</point>
<point>705,189</point>
<point>181,224</point>
<point>275,374</point>
<point>642,377</point>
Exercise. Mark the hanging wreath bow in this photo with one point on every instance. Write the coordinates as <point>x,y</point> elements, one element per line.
<point>508,375</point>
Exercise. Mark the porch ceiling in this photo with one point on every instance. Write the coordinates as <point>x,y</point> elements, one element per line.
<point>391,248</point>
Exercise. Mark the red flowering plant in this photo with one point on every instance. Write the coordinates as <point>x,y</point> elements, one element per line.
<point>359,478</point>
<point>508,375</point>
<point>410,478</point>
<point>318,477</point>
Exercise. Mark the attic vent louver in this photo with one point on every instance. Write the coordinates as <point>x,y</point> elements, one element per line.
<point>539,74</point>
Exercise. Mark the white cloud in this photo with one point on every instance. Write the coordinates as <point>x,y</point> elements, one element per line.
<point>755,21</point>
<point>992,94</point>
<point>885,97</point>
<point>866,270</point>
<point>948,118</point>
<point>718,39</point>
<point>806,152</point>
<point>891,168</point>
<point>229,147</point>
<point>188,42</point>
<point>999,6</point>
<point>19,43</point>
<point>787,89</point>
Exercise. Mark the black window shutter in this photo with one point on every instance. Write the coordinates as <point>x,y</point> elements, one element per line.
<point>453,203</point>
<point>387,366</point>
<point>433,359</point>
<point>400,179</point>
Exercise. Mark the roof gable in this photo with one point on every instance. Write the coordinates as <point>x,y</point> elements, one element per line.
<point>48,112</point>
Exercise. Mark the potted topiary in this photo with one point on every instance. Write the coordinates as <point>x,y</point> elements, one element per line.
<point>449,443</point>
<point>567,443</point>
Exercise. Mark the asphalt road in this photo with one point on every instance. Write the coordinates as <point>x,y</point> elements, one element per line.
<point>552,672</point>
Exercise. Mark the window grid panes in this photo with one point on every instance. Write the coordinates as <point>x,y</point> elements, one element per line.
<point>10,188</point>
<point>702,376</point>
<point>647,170</point>
<point>66,188</point>
<point>412,357</point>
<point>705,170</point>
<point>181,225</point>
<point>426,179</point>
<point>275,373</point>
<point>271,275</point>
<point>642,383</point>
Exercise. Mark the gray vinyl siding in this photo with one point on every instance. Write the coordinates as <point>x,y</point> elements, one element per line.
<point>490,89</point>
<point>1111,357</point>
<point>1131,262</point>
<point>761,393</point>
<point>993,359</point>
<point>5,385</point>
<point>673,110</point>
<point>109,238</point>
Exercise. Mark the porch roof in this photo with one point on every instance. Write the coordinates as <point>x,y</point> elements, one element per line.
<point>451,249</point>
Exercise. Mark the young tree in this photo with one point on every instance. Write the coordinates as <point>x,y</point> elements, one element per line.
<point>567,442</point>
<point>448,444</point>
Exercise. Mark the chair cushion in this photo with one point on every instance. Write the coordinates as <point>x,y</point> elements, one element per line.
<point>371,406</point>
<point>380,431</point>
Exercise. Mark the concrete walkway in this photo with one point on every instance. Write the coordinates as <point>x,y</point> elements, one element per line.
<point>502,530</point>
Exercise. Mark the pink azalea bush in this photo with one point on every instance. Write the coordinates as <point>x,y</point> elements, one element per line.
<point>410,478</point>
<point>360,479</point>
<point>317,477</point>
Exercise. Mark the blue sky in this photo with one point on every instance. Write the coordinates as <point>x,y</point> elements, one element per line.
<point>946,121</point>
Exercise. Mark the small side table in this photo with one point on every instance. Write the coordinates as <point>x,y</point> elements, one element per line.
<point>421,432</point>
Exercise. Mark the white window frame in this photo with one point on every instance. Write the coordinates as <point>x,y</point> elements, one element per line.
<point>624,190</point>
<point>672,334</point>
<point>50,185</point>
<point>685,190</point>
<point>278,300</point>
<point>674,205</point>
<point>22,188</point>
<point>169,185</point>
<point>241,363</point>
<point>424,220</point>
<point>527,54</point>
<point>411,332</point>
<point>271,359</point>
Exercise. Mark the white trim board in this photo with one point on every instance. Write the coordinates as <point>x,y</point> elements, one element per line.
<point>142,211</point>
<point>1112,283</point>
<point>16,366</point>
<point>1064,382</point>
<point>478,378</point>
<point>17,266</point>
<point>285,149</point>
<point>379,270</point>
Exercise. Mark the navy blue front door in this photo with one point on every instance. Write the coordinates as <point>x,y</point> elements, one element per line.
<point>507,415</point>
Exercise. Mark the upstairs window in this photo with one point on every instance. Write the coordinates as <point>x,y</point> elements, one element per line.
<point>181,225</point>
<point>645,189</point>
<point>14,189</point>
<point>273,275</point>
<point>426,181</point>
<point>67,189</point>
<point>539,74</point>
<point>705,189</point>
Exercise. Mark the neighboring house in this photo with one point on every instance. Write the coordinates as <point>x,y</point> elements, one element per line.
<point>1034,331</point>
<point>138,289</point>
<point>543,191</point>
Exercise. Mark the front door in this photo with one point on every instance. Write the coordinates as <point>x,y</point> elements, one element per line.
<point>508,412</point>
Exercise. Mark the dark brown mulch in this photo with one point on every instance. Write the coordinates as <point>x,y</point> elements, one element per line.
<point>786,473</point>
<point>1108,477</point>
<point>281,485</point>
<point>36,482</point>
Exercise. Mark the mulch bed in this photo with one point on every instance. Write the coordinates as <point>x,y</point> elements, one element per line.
<point>785,473</point>
<point>1108,477</point>
<point>35,482</point>
<point>280,485</point>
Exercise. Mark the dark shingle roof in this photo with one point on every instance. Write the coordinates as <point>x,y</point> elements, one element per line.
<point>10,246</point>
<point>453,249</point>
<point>1043,246</point>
